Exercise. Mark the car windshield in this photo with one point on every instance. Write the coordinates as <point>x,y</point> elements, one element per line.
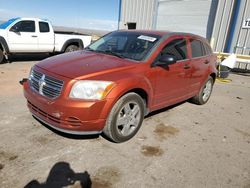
<point>6,24</point>
<point>131,45</point>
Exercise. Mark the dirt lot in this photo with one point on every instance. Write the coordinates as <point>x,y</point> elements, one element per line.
<point>182,146</point>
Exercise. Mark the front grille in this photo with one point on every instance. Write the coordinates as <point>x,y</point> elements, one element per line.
<point>45,85</point>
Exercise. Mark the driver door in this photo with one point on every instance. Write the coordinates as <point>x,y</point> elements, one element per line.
<point>22,37</point>
<point>172,82</point>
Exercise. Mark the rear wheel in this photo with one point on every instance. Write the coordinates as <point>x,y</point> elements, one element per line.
<point>125,118</point>
<point>1,56</point>
<point>205,92</point>
<point>71,48</point>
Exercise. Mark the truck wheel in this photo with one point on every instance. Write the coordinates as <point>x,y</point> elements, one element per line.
<point>1,56</point>
<point>205,92</point>
<point>71,48</point>
<point>125,118</point>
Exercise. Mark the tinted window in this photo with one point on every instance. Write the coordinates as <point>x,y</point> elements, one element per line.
<point>43,27</point>
<point>197,48</point>
<point>131,45</point>
<point>208,49</point>
<point>177,48</point>
<point>25,26</point>
<point>116,43</point>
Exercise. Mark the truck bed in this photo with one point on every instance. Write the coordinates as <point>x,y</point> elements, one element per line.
<point>68,33</point>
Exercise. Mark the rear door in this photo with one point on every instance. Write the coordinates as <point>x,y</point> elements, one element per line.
<point>46,37</point>
<point>22,37</point>
<point>200,64</point>
<point>172,83</point>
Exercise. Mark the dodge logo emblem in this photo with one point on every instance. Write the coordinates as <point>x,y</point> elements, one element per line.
<point>41,83</point>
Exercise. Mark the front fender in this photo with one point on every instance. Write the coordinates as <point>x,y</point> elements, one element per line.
<point>126,85</point>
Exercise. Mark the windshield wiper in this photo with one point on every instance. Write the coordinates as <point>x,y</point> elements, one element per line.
<point>89,49</point>
<point>106,52</point>
<point>113,53</point>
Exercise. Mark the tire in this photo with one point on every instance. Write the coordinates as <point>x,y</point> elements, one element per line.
<point>204,93</point>
<point>125,118</point>
<point>1,56</point>
<point>71,48</point>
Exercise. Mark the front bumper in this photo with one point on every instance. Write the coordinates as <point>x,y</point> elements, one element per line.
<point>67,115</point>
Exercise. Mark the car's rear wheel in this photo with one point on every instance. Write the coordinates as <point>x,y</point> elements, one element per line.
<point>71,48</point>
<point>205,92</point>
<point>125,118</point>
<point>1,56</point>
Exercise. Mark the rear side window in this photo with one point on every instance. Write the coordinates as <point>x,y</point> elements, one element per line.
<point>177,48</point>
<point>43,27</point>
<point>208,49</point>
<point>24,26</point>
<point>198,49</point>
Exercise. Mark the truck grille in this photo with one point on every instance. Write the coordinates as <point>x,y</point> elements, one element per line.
<point>45,85</point>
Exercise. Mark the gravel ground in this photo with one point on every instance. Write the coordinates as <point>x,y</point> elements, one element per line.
<point>181,146</point>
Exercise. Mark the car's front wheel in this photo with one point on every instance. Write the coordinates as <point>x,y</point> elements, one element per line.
<point>205,92</point>
<point>125,118</point>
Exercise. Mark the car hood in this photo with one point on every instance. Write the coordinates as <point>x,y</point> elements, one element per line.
<point>83,64</point>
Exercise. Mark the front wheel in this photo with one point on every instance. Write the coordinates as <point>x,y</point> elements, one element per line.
<point>71,48</point>
<point>1,56</point>
<point>125,118</point>
<point>205,92</point>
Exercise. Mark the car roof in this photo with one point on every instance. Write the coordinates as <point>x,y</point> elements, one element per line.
<point>162,33</point>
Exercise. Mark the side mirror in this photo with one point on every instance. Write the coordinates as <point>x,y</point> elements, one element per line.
<point>13,29</point>
<point>166,60</point>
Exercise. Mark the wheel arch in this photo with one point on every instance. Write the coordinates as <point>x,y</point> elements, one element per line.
<point>77,42</point>
<point>213,75</point>
<point>4,45</point>
<point>143,94</point>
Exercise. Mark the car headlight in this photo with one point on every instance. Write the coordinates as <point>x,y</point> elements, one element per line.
<point>31,73</point>
<point>90,89</point>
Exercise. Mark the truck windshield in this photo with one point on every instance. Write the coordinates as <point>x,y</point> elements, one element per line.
<point>131,45</point>
<point>6,24</point>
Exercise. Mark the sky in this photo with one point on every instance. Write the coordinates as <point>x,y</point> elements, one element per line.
<point>89,14</point>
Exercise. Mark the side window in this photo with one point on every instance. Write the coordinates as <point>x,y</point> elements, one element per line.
<point>24,26</point>
<point>43,27</point>
<point>177,48</point>
<point>197,47</point>
<point>208,49</point>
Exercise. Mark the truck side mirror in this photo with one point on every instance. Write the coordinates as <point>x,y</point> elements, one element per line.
<point>14,29</point>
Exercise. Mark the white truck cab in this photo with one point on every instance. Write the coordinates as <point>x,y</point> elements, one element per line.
<point>34,35</point>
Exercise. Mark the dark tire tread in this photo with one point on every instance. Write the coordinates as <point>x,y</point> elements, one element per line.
<point>1,56</point>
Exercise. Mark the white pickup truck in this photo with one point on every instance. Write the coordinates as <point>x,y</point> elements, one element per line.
<point>33,35</point>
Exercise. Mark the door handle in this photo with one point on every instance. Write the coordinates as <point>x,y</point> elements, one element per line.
<point>186,66</point>
<point>34,36</point>
<point>206,62</point>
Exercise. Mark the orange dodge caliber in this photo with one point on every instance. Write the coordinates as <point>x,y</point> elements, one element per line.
<point>112,84</point>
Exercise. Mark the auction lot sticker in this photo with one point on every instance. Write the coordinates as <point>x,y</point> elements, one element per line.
<point>147,38</point>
